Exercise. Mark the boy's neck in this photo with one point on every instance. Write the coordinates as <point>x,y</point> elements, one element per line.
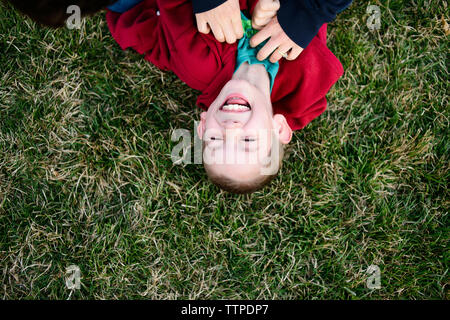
<point>255,74</point>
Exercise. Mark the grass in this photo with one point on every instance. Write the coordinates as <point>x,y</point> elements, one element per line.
<point>86,176</point>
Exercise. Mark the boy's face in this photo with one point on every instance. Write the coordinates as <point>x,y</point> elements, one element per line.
<point>238,131</point>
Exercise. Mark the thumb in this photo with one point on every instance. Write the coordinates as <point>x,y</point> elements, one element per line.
<point>270,5</point>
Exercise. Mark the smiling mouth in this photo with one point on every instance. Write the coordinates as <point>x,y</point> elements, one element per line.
<point>235,103</point>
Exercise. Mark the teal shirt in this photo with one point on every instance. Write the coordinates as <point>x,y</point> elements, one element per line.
<point>247,53</point>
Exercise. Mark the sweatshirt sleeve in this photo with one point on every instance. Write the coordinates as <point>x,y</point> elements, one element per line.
<point>302,84</point>
<point>139,28</point>
<point>302,19</point>
<point>205,5</point>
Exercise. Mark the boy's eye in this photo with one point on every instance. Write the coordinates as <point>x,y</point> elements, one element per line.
<point>247,139</point>
<point>215,138</point>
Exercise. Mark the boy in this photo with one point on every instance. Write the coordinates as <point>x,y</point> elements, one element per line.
<point>239,103</point>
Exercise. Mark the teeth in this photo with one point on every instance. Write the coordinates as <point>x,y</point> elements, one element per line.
<point>235,107</point>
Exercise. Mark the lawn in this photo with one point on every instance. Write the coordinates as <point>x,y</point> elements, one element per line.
<point>86,176</point>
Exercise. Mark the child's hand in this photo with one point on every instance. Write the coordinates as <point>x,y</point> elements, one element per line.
<point>224,21</point>
<point>264,11</point>
<point>279,44</point>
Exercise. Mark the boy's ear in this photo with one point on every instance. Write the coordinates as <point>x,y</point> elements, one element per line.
<point>283,128</point>
<point>201,125</point>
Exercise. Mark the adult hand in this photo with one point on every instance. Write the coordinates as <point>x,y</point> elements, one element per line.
<point>224,21</point>
<point>264,11</point>
<point>279,45</point>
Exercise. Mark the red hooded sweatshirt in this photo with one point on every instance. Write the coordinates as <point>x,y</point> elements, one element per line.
<point>166,33</point>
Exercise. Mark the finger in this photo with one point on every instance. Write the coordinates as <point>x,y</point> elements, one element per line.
<point>228,31</point>
<point>202,25</point>
<point>295,52</point>
<point>270,5</point>
<point>276,56</point>
<point>237,26</point>
<point>268,48</point>
<point>259,23</point>
<point>217,31</point>
<point>265,14</point>
<point>261,36</point>
<point>278,53</point>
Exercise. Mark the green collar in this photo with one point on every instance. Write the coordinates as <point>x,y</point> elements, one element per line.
<point>247,53</point>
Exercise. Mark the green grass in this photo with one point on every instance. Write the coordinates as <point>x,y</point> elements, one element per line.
<point>86,176</point>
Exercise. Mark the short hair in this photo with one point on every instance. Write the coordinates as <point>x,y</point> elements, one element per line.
<point>52,13</point>
<point>248,187</point>
<point>237,187</point>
